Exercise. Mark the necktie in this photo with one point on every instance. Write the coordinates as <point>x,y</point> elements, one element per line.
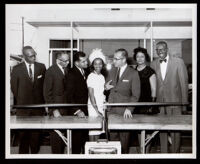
<point>163,60</point>
<point>30,73</point>
<point>82,71</point>
<point>63,70</point>
<point>118,73</point>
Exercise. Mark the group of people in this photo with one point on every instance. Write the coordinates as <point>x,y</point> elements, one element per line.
<point>165,80</point>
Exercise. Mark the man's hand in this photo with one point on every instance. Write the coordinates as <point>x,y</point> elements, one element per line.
<point>108,86</point>
<point>127,114</point>
<point>56,113</point>
<point>100,115</point>
<point>80,114</point>
<point>47,110</point>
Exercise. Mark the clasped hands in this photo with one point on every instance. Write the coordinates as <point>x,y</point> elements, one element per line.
<point>79,113</point>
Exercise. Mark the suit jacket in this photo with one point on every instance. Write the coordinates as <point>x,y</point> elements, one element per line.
<point>174,88</point>
<point>26,91</point>
<point>127,89</point>
<point>76,89</point>
<point>54,87</point>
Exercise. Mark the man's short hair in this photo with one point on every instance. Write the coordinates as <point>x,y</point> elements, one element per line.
<point>26,48</point>
<point>123,51</point>
<point>60,53</point>
<point>79,54</point>
<point>164,43</point>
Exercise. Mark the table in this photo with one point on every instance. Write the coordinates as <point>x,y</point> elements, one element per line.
<point>64,122</point>
<point>149,122</point>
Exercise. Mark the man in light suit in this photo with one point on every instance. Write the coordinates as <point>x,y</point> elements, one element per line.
<point>126,89</point>
<point>172,86</point>
<point>27,85</point>
<point>54,92</point>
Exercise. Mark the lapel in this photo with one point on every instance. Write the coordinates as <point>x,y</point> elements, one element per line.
<point>78,73</point>
<point>57,69</point>
<point>124,73</point>
<point>159,70</point>
<point>36,71</point>
<point>169,66</point>
<point>115,70</point>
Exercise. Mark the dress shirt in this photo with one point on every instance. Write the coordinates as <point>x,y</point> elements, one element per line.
<point>122,69</point>
<point>32,68</point>
<point>163,67</point>
<point>81,70</point>
<point>61,68</point>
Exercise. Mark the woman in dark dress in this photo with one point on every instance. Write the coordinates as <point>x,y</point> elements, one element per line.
<point>148,84</point>
<point>147,80</point>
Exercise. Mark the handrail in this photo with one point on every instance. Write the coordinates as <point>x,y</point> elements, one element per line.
<point>106,104</point>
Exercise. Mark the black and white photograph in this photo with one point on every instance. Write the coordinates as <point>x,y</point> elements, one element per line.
<point>101,81</point>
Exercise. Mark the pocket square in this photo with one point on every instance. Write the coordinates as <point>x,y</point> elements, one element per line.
<point>39,76</point>
<point>125,80</point>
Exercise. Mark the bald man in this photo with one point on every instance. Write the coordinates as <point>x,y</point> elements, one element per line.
<point>54,92</point>
<point>27,84</point>
<point>172,86</point>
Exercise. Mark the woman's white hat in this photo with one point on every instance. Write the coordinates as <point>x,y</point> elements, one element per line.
<point>97,53</point>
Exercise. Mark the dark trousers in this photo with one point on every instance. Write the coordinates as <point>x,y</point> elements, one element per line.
<point>79,137</point>
<point>175,147</point>
<point>29,138</point>
<point>57,144</point>
<point>123,137</point>
<point>175,136</point>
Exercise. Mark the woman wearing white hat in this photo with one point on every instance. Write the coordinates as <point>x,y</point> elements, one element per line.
<point>95,83</point>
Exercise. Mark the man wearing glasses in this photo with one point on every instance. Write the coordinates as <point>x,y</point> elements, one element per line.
<point>54,92</point>
<point>172,86</point>
<point>126,89</point>
<point>27,86</point>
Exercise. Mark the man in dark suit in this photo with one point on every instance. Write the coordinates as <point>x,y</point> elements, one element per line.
<point>54,92</point>
<point>27,85</point>
<point>172,86</point>
<point>126,89</point>
<point>77,93</point>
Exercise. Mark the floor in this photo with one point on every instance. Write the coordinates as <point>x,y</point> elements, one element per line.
<point>186,145</point>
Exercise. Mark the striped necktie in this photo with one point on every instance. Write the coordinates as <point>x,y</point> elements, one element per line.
<point>30,73</point>
<point>83,73</point>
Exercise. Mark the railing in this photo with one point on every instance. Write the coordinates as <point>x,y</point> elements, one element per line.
<point>31,106</point>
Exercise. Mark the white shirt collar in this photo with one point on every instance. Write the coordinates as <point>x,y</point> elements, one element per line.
<point>122,69</point>
<point>27,66</point>
<point>163,67</point>
<point>61,68</point>
<point>80,69</point>
<point>167,58</point>
<point>32,67</point>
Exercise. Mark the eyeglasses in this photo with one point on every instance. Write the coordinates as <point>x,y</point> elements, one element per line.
<point>118,59</point>
<point>65,61</point>
<point>163,49</point>
<point>31,56</point>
